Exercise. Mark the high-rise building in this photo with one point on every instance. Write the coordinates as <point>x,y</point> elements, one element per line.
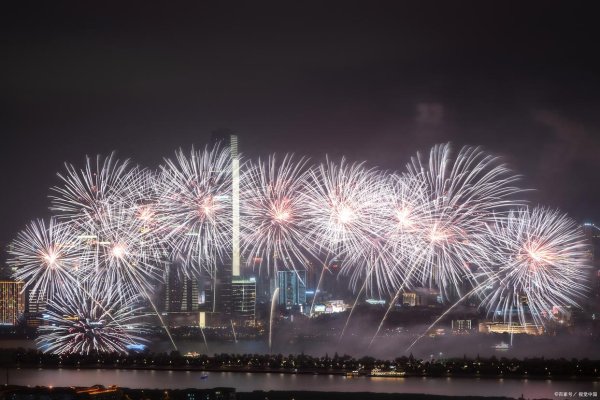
<point>181,294</point>
<point>35,305</point>
<point>217,289</point>
<point>264,288</point>
<point>292,288</point>
<point>225,138</point>
<point>12,302</point>
<point>592,234</point>
<point>462,325</point>
<point>36,301</point>
<point>243,294</point>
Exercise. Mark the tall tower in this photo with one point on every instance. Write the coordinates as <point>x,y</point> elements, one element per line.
<point>592,234</point>
<point>235,204</point>
<point>219,291</point>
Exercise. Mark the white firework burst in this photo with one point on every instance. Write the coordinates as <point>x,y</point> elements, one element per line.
<point>85,193</point>
<point>405,213</point>
<point>273,212</point>
<point>90,324</point>
<point>541,264</point>
<point>47,257</point>
<point>195,207</point>
<point>344,219</point>
<point>462,192</point>
<point>123,253</point>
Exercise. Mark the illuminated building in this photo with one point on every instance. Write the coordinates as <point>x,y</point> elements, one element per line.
<point>243,293</point>
<point>417,298</point>
<point>181,293</point>
<point>505,327</point>
<point>335,306</point>
<point>12,302</point>
<point>35,304</point>
<point>462,325</point>
<point>330,307</point>
<point>292,288</point>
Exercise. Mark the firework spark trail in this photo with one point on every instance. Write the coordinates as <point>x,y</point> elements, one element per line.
<point>204,338</point>
<point>142,190</point>
<point>195,206</point>
<point>312,305</point>
<point>273,212</point>
<point>273,301</point>
<point>540,253</point>
<point>81,326</point>
<point>233,330</point>
<point>366,282</point>
<point>470,293</point>
<point>162,322</point>
<point>362,288</point>
<point>402,287</point>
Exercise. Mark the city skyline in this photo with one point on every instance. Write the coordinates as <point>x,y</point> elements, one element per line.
<point>454,222</point>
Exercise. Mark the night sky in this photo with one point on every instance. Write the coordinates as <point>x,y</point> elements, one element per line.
<point>373,81</point>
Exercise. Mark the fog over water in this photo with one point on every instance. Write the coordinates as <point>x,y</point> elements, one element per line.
<point>392,347</point>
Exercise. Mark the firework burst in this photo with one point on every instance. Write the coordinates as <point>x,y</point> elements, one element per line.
<point>274,212</point>
<point>46,256</point>
<point>344,219</point>
<point>541,264</point>
<point>195,207</point>
<point>443,223</point>
<point>86,324</point>
<point>462,193</point>
<point>87,192</point>
<point>123,253</point>
<point>405,213</point>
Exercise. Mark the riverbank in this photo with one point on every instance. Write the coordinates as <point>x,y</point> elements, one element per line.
<point>302,364</point>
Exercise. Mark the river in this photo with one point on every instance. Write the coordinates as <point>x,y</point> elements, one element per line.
<point>245,382</point>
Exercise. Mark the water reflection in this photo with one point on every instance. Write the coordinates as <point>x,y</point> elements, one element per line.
<point>248,381</point>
